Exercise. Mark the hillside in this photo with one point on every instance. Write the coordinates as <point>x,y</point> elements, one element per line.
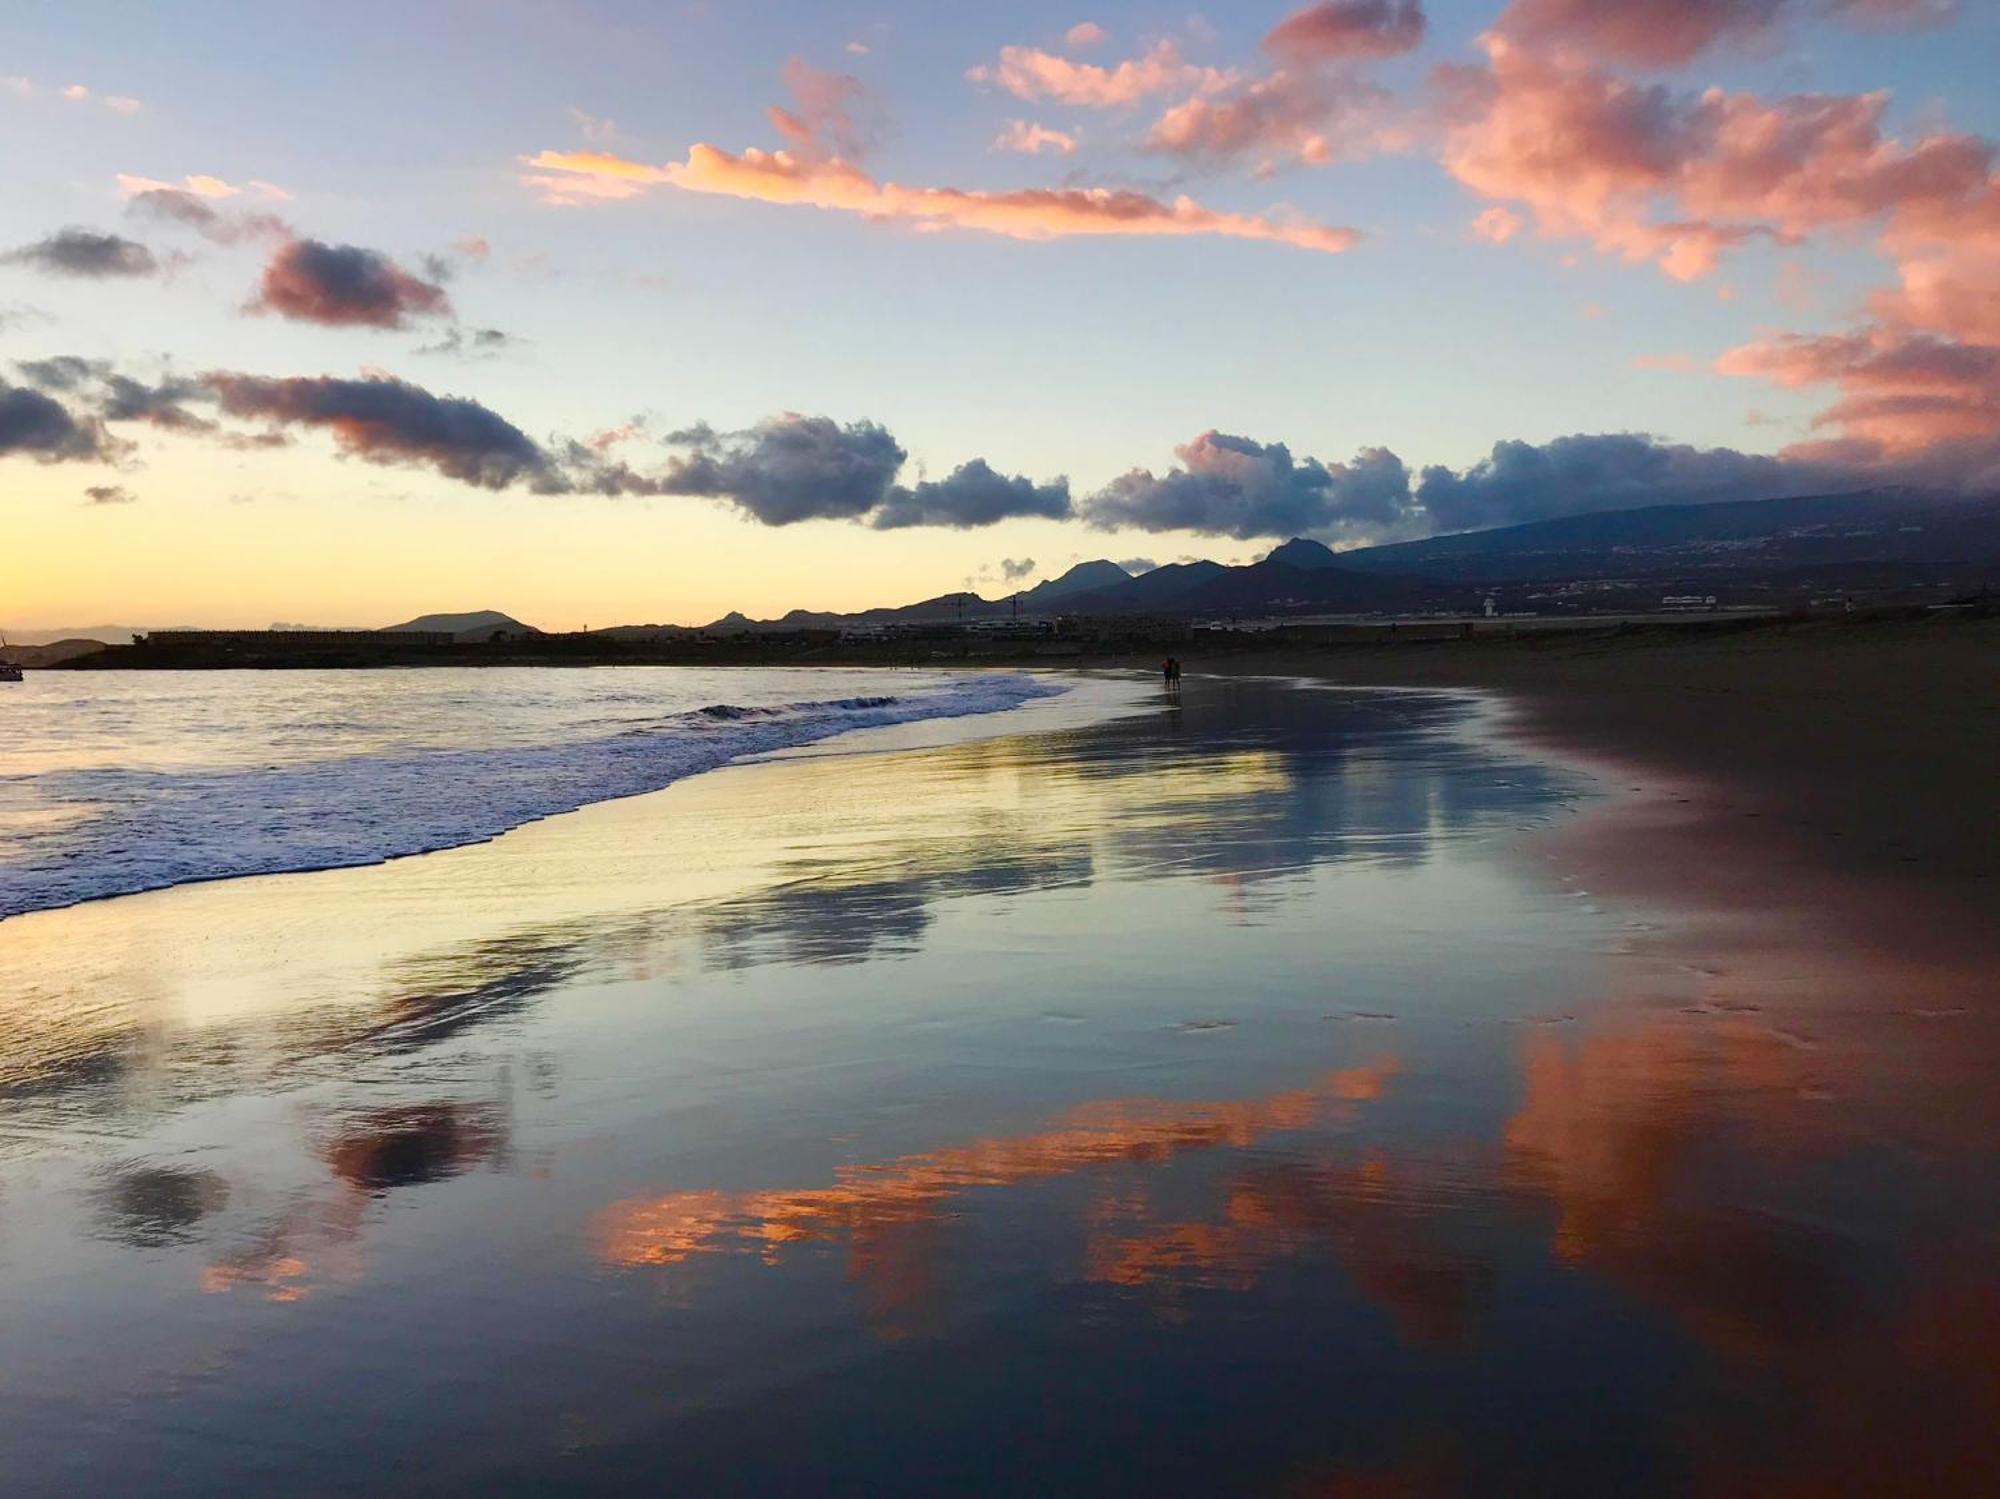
<point>480,624</point>
<point>1733,536</point>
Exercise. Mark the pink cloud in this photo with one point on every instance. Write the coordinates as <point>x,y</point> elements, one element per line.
<point>1085,34</point>
<point>1315,107</point>
<point>1344,29</point>
<point>832,114</point>
<point>1672,33</point>
<point>1676,179</point>
<point>1497,225</point>
<point>1955,293</point>
<point>1677,364</point>
<point>1901,394</point>
<point>1030,73</point>
<point>1031,140</point>
<point>1642,33</point>
<point>1032,214</point>
<point>1310,117</point>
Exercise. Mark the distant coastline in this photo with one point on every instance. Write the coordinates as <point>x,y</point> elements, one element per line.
<point>1096,642</point>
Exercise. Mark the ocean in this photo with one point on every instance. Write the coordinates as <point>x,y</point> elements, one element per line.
<point>112,783</point>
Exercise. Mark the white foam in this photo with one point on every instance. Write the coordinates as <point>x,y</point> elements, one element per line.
<point>124,830</point>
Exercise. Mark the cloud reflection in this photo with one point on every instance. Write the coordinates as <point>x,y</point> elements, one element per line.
<point>319,1235</point>
<point>151,1207</point>
<point>871,1205</point>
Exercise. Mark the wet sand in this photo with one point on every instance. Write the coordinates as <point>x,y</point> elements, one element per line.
<point>1805,822</point>
<point>1869,746</point>
<point>1284,1091</point>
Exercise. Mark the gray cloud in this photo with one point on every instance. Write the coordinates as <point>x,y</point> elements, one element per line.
<point>173,205</point>
<point>1233,486</point>
<point>471,343</point>
<point>116,397</point>
<point>1575,475</point>
<point>1013,569</point>
<point>85,253</point>
<point>1137,565</point>
<point>338,286</point>
<point>974,495</point>
<point>788,468</point>
<point>793,468</point>
<point>62,371</point>
<point>38,426</point>
<point>109,494</point>
<point>393,422</point>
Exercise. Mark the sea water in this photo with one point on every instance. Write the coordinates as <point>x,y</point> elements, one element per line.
<point>115,782</point>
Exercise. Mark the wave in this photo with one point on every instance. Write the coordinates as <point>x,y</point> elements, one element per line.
<point>151,829</point>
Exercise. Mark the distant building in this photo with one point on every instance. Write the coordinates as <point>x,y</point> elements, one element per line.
<point>294,639</point>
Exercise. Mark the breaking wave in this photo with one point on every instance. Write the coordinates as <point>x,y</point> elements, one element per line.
<point>117,830</point>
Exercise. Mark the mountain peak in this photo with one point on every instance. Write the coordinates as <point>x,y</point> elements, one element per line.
<point>479,624</point>
<point>1304,554</point>
<point>1085,577</point>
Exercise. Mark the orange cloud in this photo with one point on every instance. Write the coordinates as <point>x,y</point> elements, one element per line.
<point>1030,73</point>
<point>1901,394</point>
<point>1029,214</point>
<point>199,186</point>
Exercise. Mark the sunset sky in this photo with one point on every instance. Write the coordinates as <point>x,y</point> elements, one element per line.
<point>601,311</point>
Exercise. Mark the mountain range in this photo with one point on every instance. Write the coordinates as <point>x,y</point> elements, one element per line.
<point>1773,551</point>
<point>1770,549</point>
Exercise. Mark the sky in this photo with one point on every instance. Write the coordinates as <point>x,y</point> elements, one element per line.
<point>604,313</point>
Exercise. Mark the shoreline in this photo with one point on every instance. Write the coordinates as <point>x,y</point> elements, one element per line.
<point>1861,751</point>
<point>687,742</point>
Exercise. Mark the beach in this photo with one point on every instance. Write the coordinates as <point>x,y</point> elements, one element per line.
<point>1404,1073</point>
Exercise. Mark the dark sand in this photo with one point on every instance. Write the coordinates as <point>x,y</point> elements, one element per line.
<point>1864,751</point>
<point>1816,808</point>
